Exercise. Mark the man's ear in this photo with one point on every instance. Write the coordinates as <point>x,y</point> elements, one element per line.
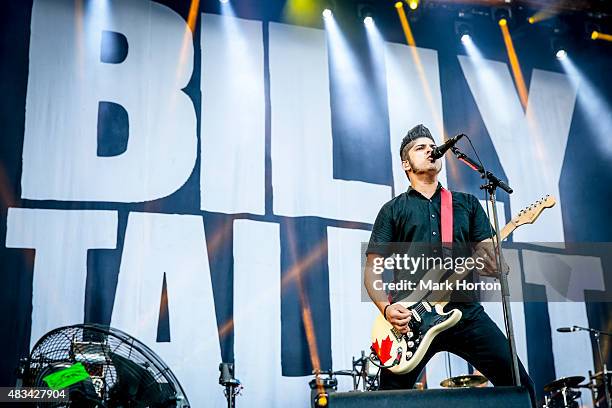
<point>406,165</point>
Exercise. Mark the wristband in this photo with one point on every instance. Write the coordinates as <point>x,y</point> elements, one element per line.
<point>385,311</point>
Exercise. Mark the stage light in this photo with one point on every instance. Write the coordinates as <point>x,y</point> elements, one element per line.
<point>327,13</point>
<point>561,54</point>
<point>546,13</point>
<point>463,31</point>
<point>559,47</point>
<point>321,400</point>
<point>502,15</point>
<point>399,4</point>
<point>598,35</point>
<point>413,4</point>
<point>364,11</point>
<point>594,31</point>
<point>224,1</point>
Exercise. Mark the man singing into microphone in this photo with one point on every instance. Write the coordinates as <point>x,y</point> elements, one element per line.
<point>415,217</point>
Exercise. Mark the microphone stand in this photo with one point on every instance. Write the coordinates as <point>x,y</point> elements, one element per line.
<point>491,186</point>
<point>604,370</point>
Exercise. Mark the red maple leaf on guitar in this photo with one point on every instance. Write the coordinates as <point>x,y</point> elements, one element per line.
<point>383,350</point>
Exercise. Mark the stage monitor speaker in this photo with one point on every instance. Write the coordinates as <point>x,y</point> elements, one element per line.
<point>487,397</point>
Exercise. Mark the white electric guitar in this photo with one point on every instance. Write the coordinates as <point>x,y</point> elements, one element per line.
<point>401,353</point>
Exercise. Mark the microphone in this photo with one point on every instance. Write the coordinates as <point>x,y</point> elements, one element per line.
<point>439,151</point>
<point>567,329</point>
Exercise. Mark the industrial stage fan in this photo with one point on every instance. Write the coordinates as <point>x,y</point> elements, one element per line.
<point>119,371</point>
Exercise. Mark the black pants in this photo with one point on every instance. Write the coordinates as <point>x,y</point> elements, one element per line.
<point>476,339</point>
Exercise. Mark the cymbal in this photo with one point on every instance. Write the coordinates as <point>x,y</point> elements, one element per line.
<point>464,381</point>
<point>570,382</point>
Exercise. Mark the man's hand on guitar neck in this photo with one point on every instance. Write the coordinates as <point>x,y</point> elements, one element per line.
<point>486,251</point>
<point>399,317</point>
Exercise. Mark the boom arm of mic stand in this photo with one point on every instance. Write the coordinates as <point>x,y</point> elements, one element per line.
<point>493,180</point>
<point>491,187</point>
<point>595,331</point>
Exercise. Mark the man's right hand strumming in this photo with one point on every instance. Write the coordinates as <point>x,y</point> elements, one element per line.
<point>399,317</point>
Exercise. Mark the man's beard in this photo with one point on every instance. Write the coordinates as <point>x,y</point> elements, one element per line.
<point>423,170</point>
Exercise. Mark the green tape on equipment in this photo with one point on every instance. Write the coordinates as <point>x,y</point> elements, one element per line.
<point>66,377</point>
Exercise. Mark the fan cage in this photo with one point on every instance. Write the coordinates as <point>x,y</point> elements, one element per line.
<point>98,348</point>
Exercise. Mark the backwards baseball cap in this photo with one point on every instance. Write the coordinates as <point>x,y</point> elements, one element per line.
<point>415,133</point>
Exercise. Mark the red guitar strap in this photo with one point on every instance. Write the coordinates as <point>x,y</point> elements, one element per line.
<point>447,218</point>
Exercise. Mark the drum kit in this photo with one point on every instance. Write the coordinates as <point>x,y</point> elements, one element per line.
<point>561,393</point>
<point>565,392</point>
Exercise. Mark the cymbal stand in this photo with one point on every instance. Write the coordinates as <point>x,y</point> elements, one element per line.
<point>604,369</point>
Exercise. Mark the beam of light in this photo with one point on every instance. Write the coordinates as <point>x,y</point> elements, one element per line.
<point>514,63</point>
<point>293,274</point>
<point>349,84</point>
<point>421,71</point>
<point>188,37</point>
<point>405,26</point>
<point>592,105</point>
<point>226,9</point>
<point>96,13</point>
<point>596,35</point>
<point>299,266</point>
<point>495,94</point>
<point>413,4</point>
<point>182,66</point>
<point>543,14</point>
<point>375,40</point>
<point>193,14</point>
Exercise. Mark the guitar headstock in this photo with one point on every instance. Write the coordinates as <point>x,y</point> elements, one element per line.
<point>529,214</point>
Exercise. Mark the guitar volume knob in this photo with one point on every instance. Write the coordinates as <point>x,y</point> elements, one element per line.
<point>409,354</point>
<point>410,344</point>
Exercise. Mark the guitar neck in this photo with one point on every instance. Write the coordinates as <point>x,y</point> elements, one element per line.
<point>507,230</point>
